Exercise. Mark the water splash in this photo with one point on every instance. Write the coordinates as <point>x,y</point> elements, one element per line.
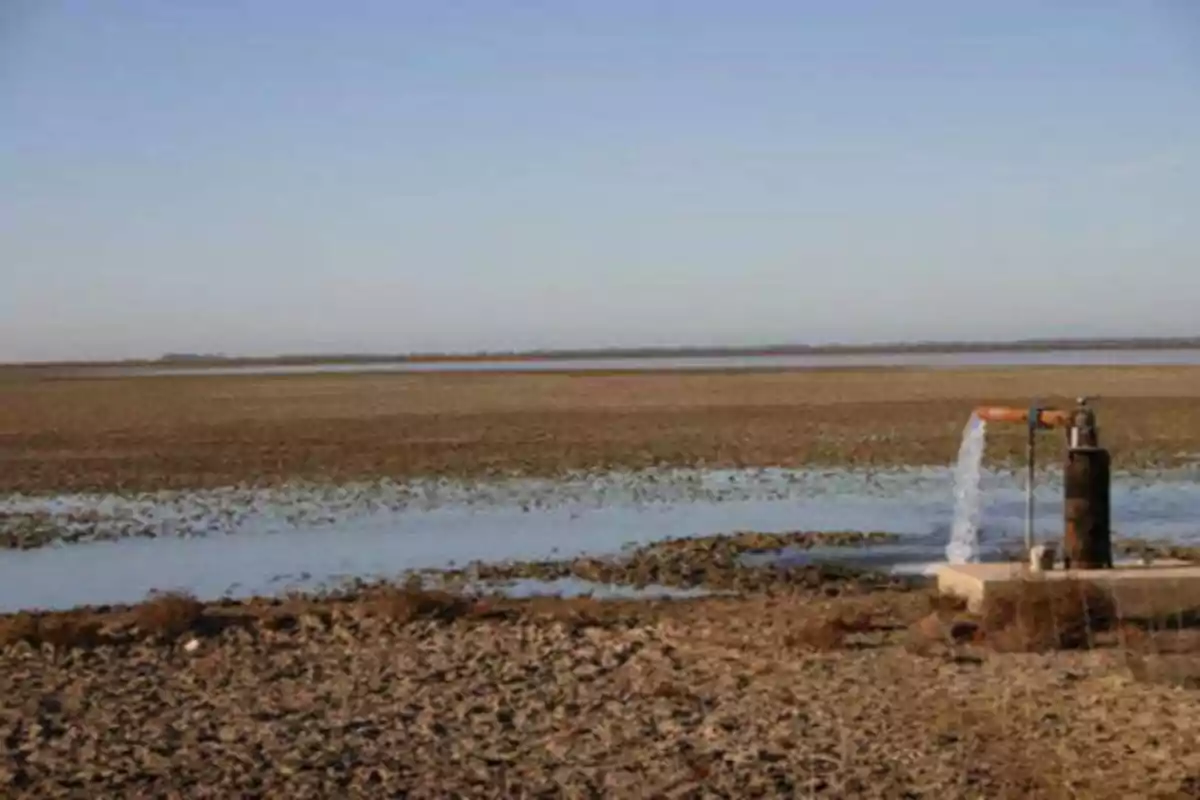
<point>964,533</point>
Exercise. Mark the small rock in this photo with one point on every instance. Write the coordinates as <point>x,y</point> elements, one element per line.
<point>929,628</point>
<point>963,630</point>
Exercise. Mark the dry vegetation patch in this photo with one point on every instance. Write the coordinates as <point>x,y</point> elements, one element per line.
<point>406,604</point>
<point>167,616</point>
<point>1048,615</point>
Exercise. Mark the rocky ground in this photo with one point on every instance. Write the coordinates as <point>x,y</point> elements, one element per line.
<point>843,689</point>
<point>712,563</point>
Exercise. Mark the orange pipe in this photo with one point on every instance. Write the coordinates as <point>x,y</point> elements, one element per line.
<point>1047,417</point>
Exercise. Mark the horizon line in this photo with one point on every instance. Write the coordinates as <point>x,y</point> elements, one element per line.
<point>646,351</point>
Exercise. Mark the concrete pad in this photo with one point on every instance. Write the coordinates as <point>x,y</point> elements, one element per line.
<point>1164,587</point>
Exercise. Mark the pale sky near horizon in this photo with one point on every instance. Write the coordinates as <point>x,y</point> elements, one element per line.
<point>280,177</point>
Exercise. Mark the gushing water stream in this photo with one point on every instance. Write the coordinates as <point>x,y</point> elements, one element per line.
<point>964,532</point>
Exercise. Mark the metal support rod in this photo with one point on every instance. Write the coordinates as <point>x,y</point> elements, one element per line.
<point>1029,469</point>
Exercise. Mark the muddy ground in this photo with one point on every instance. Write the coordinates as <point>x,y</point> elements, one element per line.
<point>393,693</point>
<point>173,432</point>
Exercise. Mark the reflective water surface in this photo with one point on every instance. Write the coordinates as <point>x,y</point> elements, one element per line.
<point>1016,358</point>
<point>241,542</point>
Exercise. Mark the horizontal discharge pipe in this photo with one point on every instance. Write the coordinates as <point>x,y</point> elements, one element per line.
<point>1046,417</point>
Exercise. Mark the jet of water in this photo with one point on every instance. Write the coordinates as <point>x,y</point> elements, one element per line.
<point>964,533</point>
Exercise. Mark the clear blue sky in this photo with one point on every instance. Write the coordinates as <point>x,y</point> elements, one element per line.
<point>264,177</point>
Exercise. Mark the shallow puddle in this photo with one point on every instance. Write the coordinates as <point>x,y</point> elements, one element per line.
<point>242,542</point>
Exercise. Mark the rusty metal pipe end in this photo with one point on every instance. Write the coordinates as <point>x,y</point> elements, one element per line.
<point>1040,417</point>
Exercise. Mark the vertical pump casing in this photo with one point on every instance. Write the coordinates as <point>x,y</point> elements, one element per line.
<point>1087,533</point>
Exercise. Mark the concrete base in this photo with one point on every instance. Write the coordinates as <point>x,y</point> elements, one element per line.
<point>1164,587</point>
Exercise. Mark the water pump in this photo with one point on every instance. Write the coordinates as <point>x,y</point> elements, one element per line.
<point>1087,534</point>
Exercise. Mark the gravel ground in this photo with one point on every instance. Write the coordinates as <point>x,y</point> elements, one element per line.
<point>799,694</point>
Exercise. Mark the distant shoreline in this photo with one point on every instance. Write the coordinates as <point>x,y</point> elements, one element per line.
<point>1027,345</point>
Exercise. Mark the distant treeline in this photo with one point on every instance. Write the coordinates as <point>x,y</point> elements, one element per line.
<point>1022,345</point>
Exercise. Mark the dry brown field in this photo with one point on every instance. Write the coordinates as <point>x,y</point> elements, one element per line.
<point>180,432</point>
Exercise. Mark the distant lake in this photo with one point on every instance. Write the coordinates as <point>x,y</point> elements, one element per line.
<point>1014,358</point>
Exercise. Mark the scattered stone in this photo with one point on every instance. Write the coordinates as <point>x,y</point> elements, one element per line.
<point>714,563</point>
<point>573,697</point>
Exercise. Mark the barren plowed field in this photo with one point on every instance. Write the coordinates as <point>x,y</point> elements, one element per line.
<point>148,433</point>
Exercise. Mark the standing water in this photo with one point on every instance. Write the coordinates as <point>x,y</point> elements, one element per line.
<point>964,533</point>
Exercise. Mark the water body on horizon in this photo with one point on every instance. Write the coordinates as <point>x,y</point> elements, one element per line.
<point>942,360</point>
